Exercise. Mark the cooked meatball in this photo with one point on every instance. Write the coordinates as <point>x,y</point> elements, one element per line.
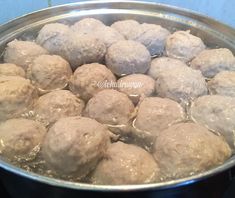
<point>187,148</point>
<point>9,69</point>
<point>21,138</point>
<point>162,64</point>
<point>217,113</point>
<point>74,145</point>
<point>49,72</point>
<point>130,29</point>
<point>16,96</point>
<point>110,107</point>
<point>213,61</point>
<point>57,104</point>
<point>136,86</point>
<point>89,79</point>
<point>107,35</point>
<point>181,84</point>
<point>126,164</point>
<point>183,45</point>
<point>153,37</point>
<point>22,53</point>
<point>87,26</point>
<point>223,84</point>
<point>127,57</point>
<point>156,114</point>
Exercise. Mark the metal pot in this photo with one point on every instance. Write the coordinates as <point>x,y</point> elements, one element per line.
<point>21,183</point>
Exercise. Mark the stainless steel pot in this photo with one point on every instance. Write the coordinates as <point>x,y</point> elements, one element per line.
<point>26,184</point>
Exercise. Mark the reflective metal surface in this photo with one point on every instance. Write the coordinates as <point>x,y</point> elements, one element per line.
<point>212,32</point>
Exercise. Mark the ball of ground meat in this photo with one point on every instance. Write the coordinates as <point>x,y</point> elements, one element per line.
<point>213,61</point>
<point>181,84</point>
<point>87,26</point>
<point>127,57</point>
<point>153,37</point>
<point>21,138</point>
<point>89,79</point>
<point>57,104</point>
<point>22,53</point>
<point>183,45</point>
<point>223,84</point>
<point>16,96</point>
<point>110,107</point>
<point>107,35</point>
<point>187,148</point>
<point>49,72</point>
<point>136,86</point>
<point>126,164</point>
<point>217,113</point>
<point>9,69</point>
<point>156,114</point>
<point>74,145</point>
<point>130,29</point>
<point>162,64</point>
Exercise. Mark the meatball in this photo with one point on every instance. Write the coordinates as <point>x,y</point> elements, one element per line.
<point>187,148</point>
<point>130,29</point>
<point>223,84</point>
<point>107,35</point>
<point>16,96</point>
<point>156,114</point>
<point>22,53</point>
<point>213,61</point>
<point>183,45</point>
<point>217,113</point>
<point>162,64</point>
<point>87,26</point>
<point>127,57</point>
<point>181,84</point>
<point>57,104</point>
<point>21,138</point>
<point>49,72</point>
<point>136,86</point>
<point>126,164</point>
<point>89,79</point>
<point>9,69</point>
<point>153,37</point>
<point>110,107</point>
<point>74,145</point>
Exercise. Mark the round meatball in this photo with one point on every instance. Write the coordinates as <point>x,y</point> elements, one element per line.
<point>130,29</point>
<point>181,84</point>
<point>9,69</point>
<point>110,107</point>
<point>49,72</point>
<point>16,96</point>
<point>162,64</point>
<point>107,35</point>
<point>217,113</point>
<point>136,86</point>
<point>213,61</point>
<point>223,84</point>
<point>54,37</point>
<point>74,145</point>
<point>153,37</point>
<point>126,164</point>
<point>156,114</point>
<point>21,138</point>
<point>127,57</point>
<point>57,104</point>
<point>22,53</point>
<point>89,79</point>
<point>183,45</point>
<point>87,26</point>
<point>187,148</point>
